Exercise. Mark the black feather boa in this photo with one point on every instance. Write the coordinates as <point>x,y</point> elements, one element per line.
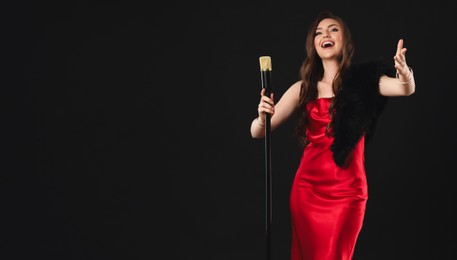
<point>357,107</point>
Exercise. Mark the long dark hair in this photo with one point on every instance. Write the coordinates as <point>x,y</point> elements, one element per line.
<point>312,71</point>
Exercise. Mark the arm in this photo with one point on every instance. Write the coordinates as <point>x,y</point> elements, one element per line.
<point>279,112</point>
<point>404,85</point>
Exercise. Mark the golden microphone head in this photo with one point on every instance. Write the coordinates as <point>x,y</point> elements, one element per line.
<point>265,63</point>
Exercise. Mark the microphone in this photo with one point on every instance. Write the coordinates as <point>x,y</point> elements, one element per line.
<point>265,73</point>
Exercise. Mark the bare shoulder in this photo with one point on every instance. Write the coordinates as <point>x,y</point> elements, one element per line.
<point>296,85</point>
<point>292,94</point>
<point>286,104</point>
<point>295,88</point>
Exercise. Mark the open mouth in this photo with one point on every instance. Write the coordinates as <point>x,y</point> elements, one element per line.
<point>327,44</point>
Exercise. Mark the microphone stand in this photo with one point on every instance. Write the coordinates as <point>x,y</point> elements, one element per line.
<point>268,182</point>
<point>266,83</point>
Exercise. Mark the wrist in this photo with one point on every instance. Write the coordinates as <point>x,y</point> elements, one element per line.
<point>409,79</point>
<point>259,121</point>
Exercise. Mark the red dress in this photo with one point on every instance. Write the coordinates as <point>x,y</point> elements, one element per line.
<point>327,202</point>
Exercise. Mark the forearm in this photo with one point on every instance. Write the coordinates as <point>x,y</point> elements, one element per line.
<point>393,87</point>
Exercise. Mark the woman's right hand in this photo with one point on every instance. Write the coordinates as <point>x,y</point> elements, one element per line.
<point>266,105</point>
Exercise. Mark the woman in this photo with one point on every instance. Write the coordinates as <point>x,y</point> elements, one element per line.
<point>337,104</point>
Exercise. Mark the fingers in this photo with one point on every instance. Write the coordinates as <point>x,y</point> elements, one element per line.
<point>400,54</point>
<point>263,92</point>
<point>267,99</point>
<point>400,58</point>
<point>400,61</point>
<point>266,104</point>
<point>399,47</point>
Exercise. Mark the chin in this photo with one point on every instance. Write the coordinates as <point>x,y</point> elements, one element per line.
<point>328,57</point>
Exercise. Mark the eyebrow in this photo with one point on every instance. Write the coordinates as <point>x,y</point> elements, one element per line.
<point>330,25</point>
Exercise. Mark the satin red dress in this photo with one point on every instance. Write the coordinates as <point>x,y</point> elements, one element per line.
<point>327,202</point>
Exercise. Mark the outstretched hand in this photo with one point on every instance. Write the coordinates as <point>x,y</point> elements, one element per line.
<point>400,60</point>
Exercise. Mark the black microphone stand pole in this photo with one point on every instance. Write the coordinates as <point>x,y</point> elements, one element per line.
<point>266,84</point>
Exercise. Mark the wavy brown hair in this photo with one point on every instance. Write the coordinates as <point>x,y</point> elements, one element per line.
<point>312,71</point>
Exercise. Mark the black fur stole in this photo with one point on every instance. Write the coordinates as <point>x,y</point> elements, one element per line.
<point>357,107</point>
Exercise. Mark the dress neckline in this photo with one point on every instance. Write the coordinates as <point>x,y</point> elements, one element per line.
<point>324,98</point>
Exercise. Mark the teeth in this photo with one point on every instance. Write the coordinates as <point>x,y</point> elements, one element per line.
<point>327,44</point>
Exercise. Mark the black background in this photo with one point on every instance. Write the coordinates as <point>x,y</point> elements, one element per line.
<point>125,129</point>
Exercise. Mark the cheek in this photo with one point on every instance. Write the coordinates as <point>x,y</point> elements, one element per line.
<point>339,37</point>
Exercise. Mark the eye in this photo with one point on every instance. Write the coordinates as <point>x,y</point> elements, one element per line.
<point>334,29</point>
<point>317,33</point>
